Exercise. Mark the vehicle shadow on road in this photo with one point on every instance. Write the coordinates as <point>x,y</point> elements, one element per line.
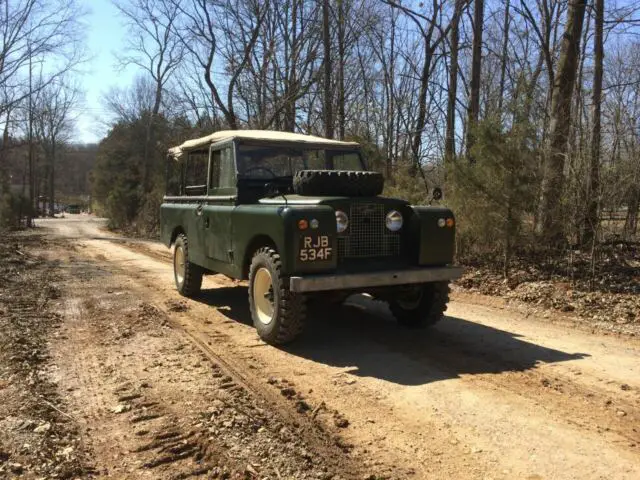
<point>363,337</point>
<point>231,301</point>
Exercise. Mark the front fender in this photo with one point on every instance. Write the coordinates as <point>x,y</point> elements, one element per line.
<point>430,243</point>
<point>278,224</point>
<point>300,253</point>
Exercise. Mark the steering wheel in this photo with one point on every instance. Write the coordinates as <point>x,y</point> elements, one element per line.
<point>266,169</point>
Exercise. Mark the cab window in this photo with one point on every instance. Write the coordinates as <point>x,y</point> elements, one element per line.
<point>195,176</point>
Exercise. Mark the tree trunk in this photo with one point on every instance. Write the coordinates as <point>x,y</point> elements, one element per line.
<point>52,176</point>
<point>551,221</point>
<point>503,64</point>
<point>476,67</point>
<point>421,121</point>
<point>593,187</point>
<point>631,220</point>
<point>4,174</point>
<point>341,61</point>
<point>328,97</point>
<point>390,99</point>
<point>290,84</point>
<point>450,136</point>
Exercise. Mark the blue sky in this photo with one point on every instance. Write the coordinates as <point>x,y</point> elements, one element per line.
<point>105,38</point>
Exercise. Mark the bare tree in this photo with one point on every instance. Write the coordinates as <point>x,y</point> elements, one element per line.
<point>432,35</point>
<point>202,24</point>
<point>452,94</point>
<point>31,30</point>
<point>130,103</point>
<point>53,122</point>
<point>476,69</point>
<point>155,48</point>
<point>593,184</point>
<point>505,55</point>
<point>327,86</point>
<point>282,67</point>
<point>551,225</point>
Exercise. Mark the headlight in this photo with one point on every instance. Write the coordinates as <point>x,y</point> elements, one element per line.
<point>342,221</point>
<point>394,220</point>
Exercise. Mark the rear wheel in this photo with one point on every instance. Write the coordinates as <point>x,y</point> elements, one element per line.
<point>421,305</point>
<point>278,314</point>
<point>187,275</point>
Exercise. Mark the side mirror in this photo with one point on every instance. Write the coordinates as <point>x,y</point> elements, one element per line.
<point>437,193</point>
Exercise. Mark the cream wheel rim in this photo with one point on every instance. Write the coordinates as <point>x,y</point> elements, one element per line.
<point>263,295</point>
<point>179,264</point>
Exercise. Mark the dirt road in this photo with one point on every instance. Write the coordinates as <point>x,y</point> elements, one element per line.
<point>488,393</point>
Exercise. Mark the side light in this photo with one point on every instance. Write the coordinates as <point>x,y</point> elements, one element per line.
<point>314,223</point>
<point>303,224</point>
<point>441,222</point>
<point>450,222</point>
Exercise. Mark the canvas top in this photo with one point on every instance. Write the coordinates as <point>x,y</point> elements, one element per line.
<point>269,135</point>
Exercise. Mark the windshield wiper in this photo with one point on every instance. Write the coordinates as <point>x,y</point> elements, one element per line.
<point>274,190</point>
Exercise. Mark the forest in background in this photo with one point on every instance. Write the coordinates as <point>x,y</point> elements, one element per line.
<point>526,113</point>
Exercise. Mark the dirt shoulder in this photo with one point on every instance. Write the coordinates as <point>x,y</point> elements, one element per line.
<point>38,437</point>
<point>600,290</point>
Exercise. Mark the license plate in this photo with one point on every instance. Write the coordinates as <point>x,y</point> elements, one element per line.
<point>315,249</point>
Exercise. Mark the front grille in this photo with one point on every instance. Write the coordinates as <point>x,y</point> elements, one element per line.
<point>367,235</point>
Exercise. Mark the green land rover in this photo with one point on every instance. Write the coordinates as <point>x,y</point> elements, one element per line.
<point>301,218</point>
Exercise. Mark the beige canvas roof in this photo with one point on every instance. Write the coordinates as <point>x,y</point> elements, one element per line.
<point>255,135</point>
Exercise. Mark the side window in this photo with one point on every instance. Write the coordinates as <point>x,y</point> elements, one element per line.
<point>223,172</point>
<point>174,176</point>
<point>215,168</point>
<point>195,176</point>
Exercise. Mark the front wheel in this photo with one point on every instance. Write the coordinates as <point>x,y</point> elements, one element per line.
<point>278,314</point>
<point>421,306</point>
<point>187,275</point>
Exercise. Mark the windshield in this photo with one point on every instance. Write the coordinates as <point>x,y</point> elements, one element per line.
<point>265,162</point>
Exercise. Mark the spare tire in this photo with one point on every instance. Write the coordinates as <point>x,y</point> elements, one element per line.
<point>338,182</point>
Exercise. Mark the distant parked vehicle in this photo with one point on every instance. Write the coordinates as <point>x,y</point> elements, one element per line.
<point>73,209</point>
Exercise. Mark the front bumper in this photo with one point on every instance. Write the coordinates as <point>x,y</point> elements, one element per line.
<point>351,281</point>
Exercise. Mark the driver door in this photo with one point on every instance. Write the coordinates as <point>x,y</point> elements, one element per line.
<point>220,203</point>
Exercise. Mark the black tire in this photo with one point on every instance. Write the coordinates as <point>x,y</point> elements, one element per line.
<point>338,182</point>
<point>189,277</point>
<point>286,321</point>
<point>422,307</point>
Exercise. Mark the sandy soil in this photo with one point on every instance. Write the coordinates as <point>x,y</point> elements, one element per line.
<point>165,387</point>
